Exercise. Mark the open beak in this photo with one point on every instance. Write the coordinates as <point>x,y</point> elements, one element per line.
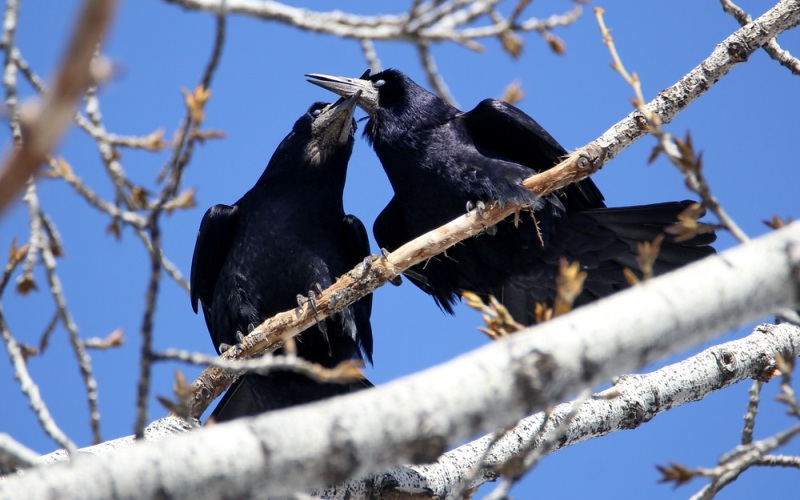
<point>336,121</point>
<point>335,124</point>
<point>348,87</point>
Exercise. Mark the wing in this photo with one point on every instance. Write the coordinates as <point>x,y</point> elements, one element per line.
<point>357,247</point>
<point>498,128</point>
<point>390,227</point>
<point>391,233</point>
<point>213,242</point>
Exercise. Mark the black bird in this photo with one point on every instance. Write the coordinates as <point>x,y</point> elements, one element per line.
<point>440,161</point>
<point>285,237</point>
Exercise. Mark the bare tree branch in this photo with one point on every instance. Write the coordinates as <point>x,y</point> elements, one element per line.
<point>784,57</point>
<point>31,390</point>
<point>434,77</point>
<point>14,455</point>
<point>10,70</point>
<point>779,461</point>
<point>426,21</point>
<point>752,410</point>
<point>156,431</point>
<point>680,153</point>
<point>370,55</point>
<point>64,314</point>
<point>72,78</point>
<point>634,400</point>
<point>726,473</point>
<point>182,153</point>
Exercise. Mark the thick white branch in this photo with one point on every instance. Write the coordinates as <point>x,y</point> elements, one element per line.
<point>352,436</point>
<point>14,454</point>
<point>156,431</point>
<point>638,399</point>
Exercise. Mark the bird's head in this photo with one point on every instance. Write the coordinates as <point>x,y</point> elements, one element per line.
<point>329,127</point>
<point>386,89</point>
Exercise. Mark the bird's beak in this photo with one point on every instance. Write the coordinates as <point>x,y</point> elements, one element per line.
<point>336,121</point>
<point>347,87</point>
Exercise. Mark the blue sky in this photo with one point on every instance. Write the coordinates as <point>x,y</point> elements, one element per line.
<point>747,126</point>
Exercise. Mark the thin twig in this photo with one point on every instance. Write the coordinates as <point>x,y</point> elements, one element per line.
<point>425,22</point>
<point>108,152</point>
<point>784,57</point>
<point>442,11</point>
<point>72,78</point>
<point>779,461</point>
<point>752,411</point>
<point>25,68</point>
<point>517,12</point>
<point>345,372</point>
<point>15,456</point>
<point>10,70</point>
<point>14,259</point>
<point>680,154</point>
<point>466,482</point>
<point>128,216</point>
<point>114,339</point>
<point>181,155</point>
<point>434,76</point>
<point>146,359</point>
<point>56,290</point>
<point>44,341</point>
<point>726,473</point>
<point>31,390</point>
<point>370,54</point>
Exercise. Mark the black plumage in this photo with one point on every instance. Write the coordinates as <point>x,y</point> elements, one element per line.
<point>287,236</point>
<point>440,160</point>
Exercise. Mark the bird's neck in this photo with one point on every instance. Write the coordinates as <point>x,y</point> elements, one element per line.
<point>305,190</point>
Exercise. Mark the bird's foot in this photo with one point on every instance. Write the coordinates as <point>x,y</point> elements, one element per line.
<point>223,347</point>
<point>479,206</point>
<point>312,302</point>
<point>480,211</point>
<point>365,266</point>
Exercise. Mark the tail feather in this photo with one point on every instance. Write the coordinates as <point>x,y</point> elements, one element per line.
<point>682,254</point>
<point>646,222</point>
<point>605,242</point>
<point>656,214</point>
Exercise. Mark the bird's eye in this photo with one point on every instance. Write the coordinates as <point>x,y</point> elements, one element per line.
<point>379,83</point>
